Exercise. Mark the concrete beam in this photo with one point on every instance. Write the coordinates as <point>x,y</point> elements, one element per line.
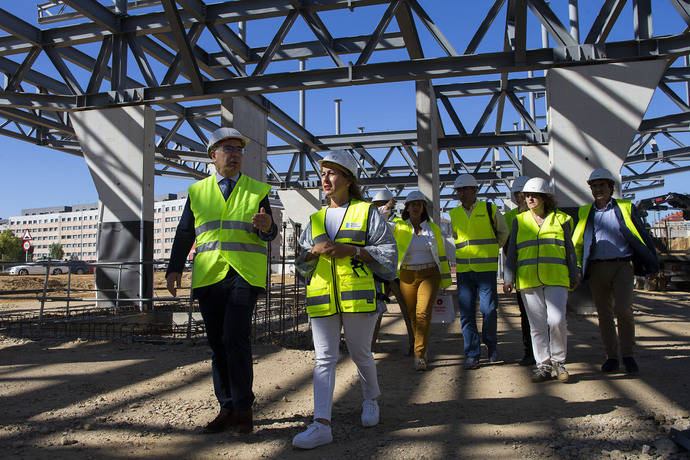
<point>594,113</point>
<point>427,146</point>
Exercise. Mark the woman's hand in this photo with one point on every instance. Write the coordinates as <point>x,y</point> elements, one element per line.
<point>507,287</point>
<point>322,247</point>
<point>336,250</point>
<point>339,250</point>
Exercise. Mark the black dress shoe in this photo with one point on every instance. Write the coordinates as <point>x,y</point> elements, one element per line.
<point>610,365</point>
<point>223,421</point>
<point>630,365</point>
<point>244,421</point>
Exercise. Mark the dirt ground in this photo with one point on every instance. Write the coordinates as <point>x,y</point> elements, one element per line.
<point>128,399</point>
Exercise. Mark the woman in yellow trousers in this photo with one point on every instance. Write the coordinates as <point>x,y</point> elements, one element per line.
<point>423,269</point>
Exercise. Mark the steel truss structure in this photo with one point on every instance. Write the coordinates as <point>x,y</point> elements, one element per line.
<point>177,71</point>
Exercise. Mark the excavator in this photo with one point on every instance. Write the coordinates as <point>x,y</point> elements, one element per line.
<point>674,264</point>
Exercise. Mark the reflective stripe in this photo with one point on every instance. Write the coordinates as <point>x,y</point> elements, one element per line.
<point>238,225</point>
<point>475,242</point>
<point>362,294</point>
<point>246,247</point>
<point>543,241</point>
<point>354,235</point>
<point>321,238</point>
<point>479,260</point>
<point>484,241</point>
<point>230,246</point>
<point>442,259</point>
<point>226,225</point>
<point>207,226</point>
<point>445,276</point>
<point>318,300</point>
<point>543,260</point>
<point>208,246</point>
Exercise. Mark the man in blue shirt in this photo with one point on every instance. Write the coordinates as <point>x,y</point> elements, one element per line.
<point>613,245</point>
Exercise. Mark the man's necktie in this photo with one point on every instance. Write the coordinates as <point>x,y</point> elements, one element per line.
<point>225,185</point>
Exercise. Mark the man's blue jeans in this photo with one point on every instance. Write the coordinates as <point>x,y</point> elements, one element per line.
<point>483,284</point>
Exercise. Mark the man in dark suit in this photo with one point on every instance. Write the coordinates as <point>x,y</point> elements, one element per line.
<point>229,216</point>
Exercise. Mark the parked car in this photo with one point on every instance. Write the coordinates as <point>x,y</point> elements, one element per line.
<point>79,267</point>
<point>57,267</point>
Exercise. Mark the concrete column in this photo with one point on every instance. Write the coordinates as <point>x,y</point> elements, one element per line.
<point>427,146</point>
<point>239,113</point>
<point>118,146</point>
<point>594,113</point>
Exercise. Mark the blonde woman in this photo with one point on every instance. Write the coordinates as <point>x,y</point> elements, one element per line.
<point>423,269</point>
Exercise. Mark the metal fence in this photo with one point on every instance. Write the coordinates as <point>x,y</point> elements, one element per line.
<point>68,311</point>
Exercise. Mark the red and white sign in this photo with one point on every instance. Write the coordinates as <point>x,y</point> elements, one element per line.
<point>26,245</point>
<point>27,235</point>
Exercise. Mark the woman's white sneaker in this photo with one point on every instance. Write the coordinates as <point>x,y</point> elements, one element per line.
<point>317,434</point>
<point>370,413</point>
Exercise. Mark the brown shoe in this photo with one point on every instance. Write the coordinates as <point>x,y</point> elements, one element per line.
<point>223,421</point>
<point>244,422</point>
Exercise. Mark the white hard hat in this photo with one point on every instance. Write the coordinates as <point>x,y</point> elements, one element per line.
<point>465,180</point>
<point>601,173</point>
<point>383,195</point>
<point>341,158</point>
<point>537,185</point>
<point>415,196</point>
<point>518,184</point>
<point>223,133</point>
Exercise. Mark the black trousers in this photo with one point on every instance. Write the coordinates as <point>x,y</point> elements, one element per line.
<point>227,308</point>
<point>524,325</point>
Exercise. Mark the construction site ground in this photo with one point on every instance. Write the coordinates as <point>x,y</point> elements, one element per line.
<point>128,398</point>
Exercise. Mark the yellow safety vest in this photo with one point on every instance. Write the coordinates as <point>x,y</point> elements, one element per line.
<point>582,216</point>
<point>509,216</point>
<point>403,234</point>
<point>343,284</point>
<point>225,235</point>
<point>476,247</point>
<point>541,259</point>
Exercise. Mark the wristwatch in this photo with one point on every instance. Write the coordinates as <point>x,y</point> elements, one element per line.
<point>358,252</point>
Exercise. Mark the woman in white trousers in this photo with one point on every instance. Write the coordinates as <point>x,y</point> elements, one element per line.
<point>348,251</point>
<point>542,265</point>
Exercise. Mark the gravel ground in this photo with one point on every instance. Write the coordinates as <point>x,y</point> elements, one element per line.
<point>124,399</point>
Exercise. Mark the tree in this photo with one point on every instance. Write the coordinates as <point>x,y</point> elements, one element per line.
<point>55,251</point>
<point>10,247</point>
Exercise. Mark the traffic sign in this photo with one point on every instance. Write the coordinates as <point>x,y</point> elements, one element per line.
<point>27,235</point>
<point>27,245</point>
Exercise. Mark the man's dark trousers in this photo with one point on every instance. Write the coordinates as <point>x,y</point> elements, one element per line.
<point>227,308</point>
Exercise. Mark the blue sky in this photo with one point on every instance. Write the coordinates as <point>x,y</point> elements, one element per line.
<point>41,177</point>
